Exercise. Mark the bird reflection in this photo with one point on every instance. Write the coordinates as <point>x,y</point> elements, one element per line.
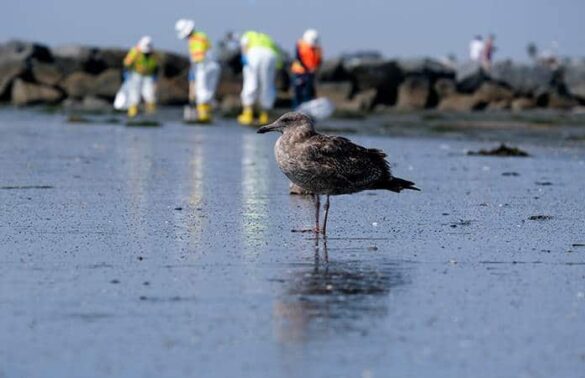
<point>336,296</point>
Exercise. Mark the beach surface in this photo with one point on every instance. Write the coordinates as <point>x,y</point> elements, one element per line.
<point>170,251</point>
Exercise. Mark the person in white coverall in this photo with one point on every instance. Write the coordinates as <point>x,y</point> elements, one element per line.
<point>204,73</point>
<point>261,59</point>
<point>476,49</point>
<point>141,66</point>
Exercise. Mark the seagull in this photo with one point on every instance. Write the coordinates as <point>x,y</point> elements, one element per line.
<point>328,165</point>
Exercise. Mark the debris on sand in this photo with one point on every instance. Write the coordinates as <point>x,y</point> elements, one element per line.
<point>76,118</point>
<point>543,183</point>
<point>511,174</point>
<point>502,150</point>
<point>540,217</point>
<point>16,187</point>
<point>143,123</point>
<point>461,222</point>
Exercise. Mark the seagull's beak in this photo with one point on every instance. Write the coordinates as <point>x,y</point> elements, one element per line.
<point>268,128</point>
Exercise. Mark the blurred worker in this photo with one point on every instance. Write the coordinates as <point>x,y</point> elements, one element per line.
<point>204,72</point>
<point>141,69</point>
<point>476,49</point>
<point>487,54</point>
<point>261,59</point>
<point>308,57</point>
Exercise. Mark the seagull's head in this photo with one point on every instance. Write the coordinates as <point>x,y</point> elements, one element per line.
<point>288,122</point>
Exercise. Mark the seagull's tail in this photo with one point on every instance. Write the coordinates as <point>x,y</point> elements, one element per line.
<point>397,184</point>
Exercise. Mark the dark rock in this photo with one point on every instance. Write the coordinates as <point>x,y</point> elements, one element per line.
<point>76,52</point>
<point>78,84</point>
<point>470,76</point>
<point>74,58</point>
<point>24,93</point>
<point>460,103</point>
<point>111,57</point>
<point>353,60</point>
<point>414,93</point>
<point>230,60</point>
<point>283,82</point>
<point>557,100</point>
<point>488,95</point>
<point>230,105</point>
<point>95,104</point>
<point>46,73</point>
<point>337,92</point>
<point>24,51</point>
<point>9,71</point>
<point>363,101</point>
<point>523,103</point>
<point>68,65</point>
<point>107,83</point>
<point>333,70</point>
<point>356,108</point>
<point>524,79</point>
<point>229,85</point>
<point>383,77</point>
<point>445,88</point>
<point>172,91</point>
<point>499,105</point>
<point>173,64</point>
<point>429,68</point>
<point>502,150</point>
<point>490,92</point>
<point>574,78</point>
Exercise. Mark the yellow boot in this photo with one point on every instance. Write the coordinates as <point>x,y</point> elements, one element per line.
<point>264,118</point>
<point>150,107</point>
<point>247,116</point>
<point>203,113</point>
<point>132,111</point>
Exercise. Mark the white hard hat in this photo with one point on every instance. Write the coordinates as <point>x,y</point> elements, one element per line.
<point>244,40</point>
<point>145,44</point>
<point>311,36</point>
<point>184,28</point>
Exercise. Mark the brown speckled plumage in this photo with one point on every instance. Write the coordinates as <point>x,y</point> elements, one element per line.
<point>329,165</point>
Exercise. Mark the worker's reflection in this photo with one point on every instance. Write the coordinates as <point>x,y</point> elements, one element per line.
<point>255,185</point>
<point>139,172</point>
<point>196,181</point>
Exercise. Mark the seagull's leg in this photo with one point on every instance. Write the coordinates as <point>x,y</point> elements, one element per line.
<point>325,250</point>
<point>317,201</point>
<point>324,230</point>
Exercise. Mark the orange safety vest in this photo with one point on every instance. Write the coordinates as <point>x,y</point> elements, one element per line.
<point>308,58</point>
<point>198,46</point>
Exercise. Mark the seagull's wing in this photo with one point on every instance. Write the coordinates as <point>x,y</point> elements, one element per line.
<point>345,162</point>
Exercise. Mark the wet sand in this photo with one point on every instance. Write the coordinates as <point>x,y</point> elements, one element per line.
<point>150,252</point>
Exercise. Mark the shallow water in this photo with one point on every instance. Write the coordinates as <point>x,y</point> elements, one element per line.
<point>149,252</point>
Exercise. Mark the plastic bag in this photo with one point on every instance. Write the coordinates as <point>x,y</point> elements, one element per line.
<point>122,97</point>
<point>319,108</point>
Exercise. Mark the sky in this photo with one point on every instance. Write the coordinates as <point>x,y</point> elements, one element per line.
<point>404,28</point>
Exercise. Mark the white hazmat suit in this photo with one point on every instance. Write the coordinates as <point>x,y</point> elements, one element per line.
<point>259,78</point>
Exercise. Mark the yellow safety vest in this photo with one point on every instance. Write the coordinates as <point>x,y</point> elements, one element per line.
<point>198,46</point>
<point>257,39</point>
<point>141,63</point>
